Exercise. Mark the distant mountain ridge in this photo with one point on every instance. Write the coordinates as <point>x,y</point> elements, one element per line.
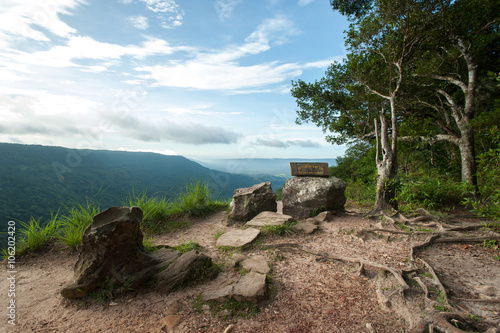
<point>259,166</point>
<point>35,180</point>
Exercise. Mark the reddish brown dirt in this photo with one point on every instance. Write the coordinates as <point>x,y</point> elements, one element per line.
<point>307,294</point>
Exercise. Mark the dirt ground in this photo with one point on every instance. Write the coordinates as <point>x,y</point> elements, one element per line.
<point>306,293</point>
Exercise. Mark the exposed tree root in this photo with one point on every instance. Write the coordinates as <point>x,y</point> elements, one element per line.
<point>397,273</point>
<point>433,320</point>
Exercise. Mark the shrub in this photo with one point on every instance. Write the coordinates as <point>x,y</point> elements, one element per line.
<point>430,191</point>
<point>489,180</point>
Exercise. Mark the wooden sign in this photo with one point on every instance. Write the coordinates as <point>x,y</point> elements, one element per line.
<point>309,169</point>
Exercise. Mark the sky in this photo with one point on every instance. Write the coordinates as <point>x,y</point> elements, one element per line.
<point>198,78</point>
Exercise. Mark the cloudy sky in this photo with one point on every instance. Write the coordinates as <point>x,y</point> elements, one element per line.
<point>189,77</point>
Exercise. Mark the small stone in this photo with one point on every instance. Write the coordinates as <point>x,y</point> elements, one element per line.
<point>171,322</point>
<point>251,288</point>
<point>488,290</point>
<point>306,227</point>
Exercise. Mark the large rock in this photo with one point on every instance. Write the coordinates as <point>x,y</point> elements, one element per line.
<point>111,252</point>
<point>304,197</point>
<point>248,202</point>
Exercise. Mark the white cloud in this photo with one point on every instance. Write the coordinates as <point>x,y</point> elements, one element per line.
<point>88,48</point>
<point>156,151</point>
<point>21,19</point>
<point>224,8</point>
<point>219,76</point>
<point>140,22</point>
<point>305,2</point>
<point>165,130</point>
<point>219,70</point>
<point>198,111</point>
<point>168,11</point>
<point>276,143</point>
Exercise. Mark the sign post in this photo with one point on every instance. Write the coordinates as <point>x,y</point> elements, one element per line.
<point>309,169</point>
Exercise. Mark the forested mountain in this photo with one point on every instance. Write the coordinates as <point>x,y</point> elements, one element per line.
<point>37,180</point>
<point>279,167</point>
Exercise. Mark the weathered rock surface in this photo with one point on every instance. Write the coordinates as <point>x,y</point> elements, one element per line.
<point>251,288</point>
<point>256,264</point>
<point>192,265</point>
<point>238,238</point>
<point>305,227</point>
<point>324,217</point>
<point>248,202</point>
<point>269,218</point>
<point>236,258</point>
<point>303,196</point>
<point>112,252</point>
<point>219,294</point>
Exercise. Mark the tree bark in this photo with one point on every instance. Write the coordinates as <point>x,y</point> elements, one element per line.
<point>386,167</point>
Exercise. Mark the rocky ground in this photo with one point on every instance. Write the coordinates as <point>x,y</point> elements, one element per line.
<point>307,292</point>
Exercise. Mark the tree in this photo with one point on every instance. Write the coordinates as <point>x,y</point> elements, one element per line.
<point>358,99</point>
<point>461,43</point>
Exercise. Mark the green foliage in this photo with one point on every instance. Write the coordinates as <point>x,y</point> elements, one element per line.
<point>218,233</point>
<point>196,199</point>
<point>154,209</point>
<point>489,180</point>
<point>490,244</point>
<point>279,230</point>
<point>279,194</point>
<point>430,191</point>
<point>33,235</point>
<point>37,179</point>
<point>149,246</point>
<point>186,247</point>
<point>74,223</point>
<point>159,215</point>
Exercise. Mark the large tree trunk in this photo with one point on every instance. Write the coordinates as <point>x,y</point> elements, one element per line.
<point>387,166</point>
<point>467,156</point>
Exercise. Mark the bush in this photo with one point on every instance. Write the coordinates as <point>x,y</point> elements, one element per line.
<point>430,191</point>
<point>489,180</point>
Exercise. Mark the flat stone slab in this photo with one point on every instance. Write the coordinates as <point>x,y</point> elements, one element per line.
<point>306,227</point>
<point>256,264</point>
<point>250,288</point>
<point>238,238</point>
<point>269,218</point>
<point>218,294</point>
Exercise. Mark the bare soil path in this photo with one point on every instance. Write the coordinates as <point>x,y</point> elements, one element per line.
<point>307,293</point>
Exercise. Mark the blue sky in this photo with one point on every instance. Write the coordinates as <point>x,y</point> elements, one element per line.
<point>196,78</point>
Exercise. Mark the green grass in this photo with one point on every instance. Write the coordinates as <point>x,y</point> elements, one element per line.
<point>163,215</point>
<point>33,235</point>
<point>160,215</point>
<point>74,223</point>
<point>218,233</point>
<point>186,247</point>
<point>279,230</point>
